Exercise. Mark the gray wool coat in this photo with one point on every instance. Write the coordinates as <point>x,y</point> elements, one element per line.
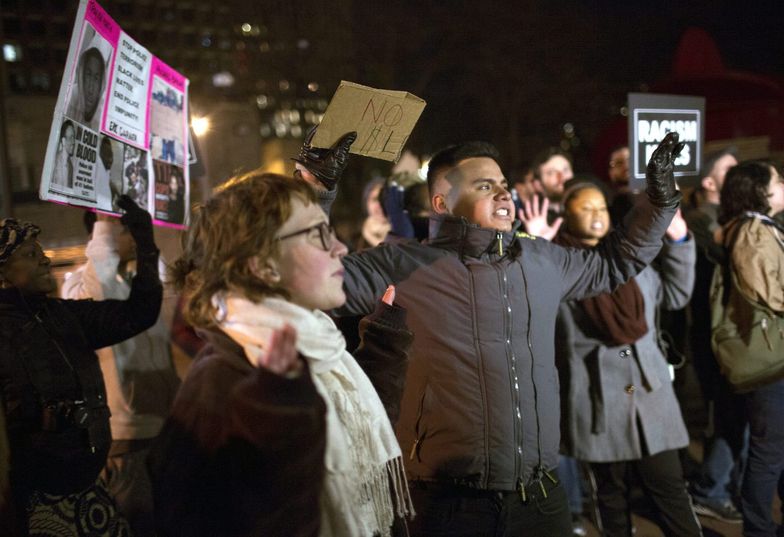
<point>618,403</point>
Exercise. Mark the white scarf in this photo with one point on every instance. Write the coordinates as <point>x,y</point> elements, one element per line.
<point>362,455</point>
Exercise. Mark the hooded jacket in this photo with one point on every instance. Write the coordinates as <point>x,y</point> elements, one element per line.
<point>481,401</point>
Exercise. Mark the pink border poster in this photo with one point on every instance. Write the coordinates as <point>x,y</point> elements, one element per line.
<point>120,125</point>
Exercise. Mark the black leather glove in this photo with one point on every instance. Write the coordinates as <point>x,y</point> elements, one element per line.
<point>139,224</point>
<point>326,164</point>
<point>660,180</point>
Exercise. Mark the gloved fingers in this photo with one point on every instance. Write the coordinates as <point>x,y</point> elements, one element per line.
<point>344,144</point>
<point>664,153</point>
<point>127,204</point>
<point>677,151</point>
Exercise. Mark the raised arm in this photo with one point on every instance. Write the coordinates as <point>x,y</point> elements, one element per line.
<point>675,265</point>
<point>366,278</point>
<point>628,249</point>
<point>322,168</point>
<point>383,352</point>
<point>110,321</point>
<point>99,278</point>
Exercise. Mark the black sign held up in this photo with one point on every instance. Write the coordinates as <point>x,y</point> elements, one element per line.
<point>651,117</point>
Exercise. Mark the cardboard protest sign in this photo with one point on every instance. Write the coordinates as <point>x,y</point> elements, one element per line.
<point>383,120</point>
<point>651,117</point>
<point>120,125</point>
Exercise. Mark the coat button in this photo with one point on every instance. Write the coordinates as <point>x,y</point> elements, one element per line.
<point>629,389</point>
<point>625,353</point>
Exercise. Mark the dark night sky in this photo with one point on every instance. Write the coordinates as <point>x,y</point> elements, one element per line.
<point>571,60</point>
<point>749,34</point>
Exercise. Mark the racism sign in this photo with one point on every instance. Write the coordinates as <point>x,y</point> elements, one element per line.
<point>651,117</point>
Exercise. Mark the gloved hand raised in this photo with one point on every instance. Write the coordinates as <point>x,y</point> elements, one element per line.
<point>139,224</point>
<point>659,178</point>
<point>326,165</point>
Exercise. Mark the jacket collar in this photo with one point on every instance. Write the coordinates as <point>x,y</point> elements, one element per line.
<point>469,240</point>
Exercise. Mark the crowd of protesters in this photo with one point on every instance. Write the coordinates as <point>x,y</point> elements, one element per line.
<point>502,359</point>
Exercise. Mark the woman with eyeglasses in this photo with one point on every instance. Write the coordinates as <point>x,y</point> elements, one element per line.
<point>276,430</point>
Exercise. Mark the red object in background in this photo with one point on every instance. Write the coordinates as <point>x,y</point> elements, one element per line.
<point>737,104</point>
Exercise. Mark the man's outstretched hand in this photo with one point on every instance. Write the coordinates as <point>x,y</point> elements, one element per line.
<point>326,165</point>
<point>660,179</point>
<point>533,215</point>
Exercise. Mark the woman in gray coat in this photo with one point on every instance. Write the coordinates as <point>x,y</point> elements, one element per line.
<point>618,405</point>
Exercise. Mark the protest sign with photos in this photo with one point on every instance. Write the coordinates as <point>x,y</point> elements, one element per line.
<point>383,120</point>
<point>651,117</point>
<point>119,126</point>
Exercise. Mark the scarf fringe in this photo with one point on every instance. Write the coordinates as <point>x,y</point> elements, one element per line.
<point>404,506</point>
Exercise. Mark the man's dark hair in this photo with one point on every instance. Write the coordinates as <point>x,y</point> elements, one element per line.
<point>710,160</point>
<point>451,156</point>
<point>88,219</point>
<point>745,189</point>
<point>546,154</point>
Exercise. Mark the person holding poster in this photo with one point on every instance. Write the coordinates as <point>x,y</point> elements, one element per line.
<point>87,93</point>
<point>479,417</point>
<point>54,398</point>
<point>62,177</point>
<point>139,374</point>
<point>277,430</point>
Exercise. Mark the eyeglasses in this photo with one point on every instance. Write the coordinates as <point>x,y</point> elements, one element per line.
<point>326,234</point>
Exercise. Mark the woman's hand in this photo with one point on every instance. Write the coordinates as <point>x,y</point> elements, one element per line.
<point>533,215</point>
<point>282,357</point>
<point>678,229</point>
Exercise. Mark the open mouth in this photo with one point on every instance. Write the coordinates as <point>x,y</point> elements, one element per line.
<point>502,212</point>
<point>597,225</point>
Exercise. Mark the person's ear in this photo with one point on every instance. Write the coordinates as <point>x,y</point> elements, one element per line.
<point>709,184</point>
<point>439,204</point>
<point>266,271</point>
